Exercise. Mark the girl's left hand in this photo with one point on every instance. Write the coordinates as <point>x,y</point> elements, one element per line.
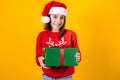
<point>78,57</point>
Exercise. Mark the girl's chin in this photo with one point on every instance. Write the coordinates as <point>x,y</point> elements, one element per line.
<point>57,27</point>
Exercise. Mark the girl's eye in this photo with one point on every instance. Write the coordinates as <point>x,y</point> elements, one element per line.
<point>61,17</point>
<point>54,16</point>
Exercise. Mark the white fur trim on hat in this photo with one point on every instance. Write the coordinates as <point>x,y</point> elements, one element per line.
<point>58,10</point>
<point>45,19</point>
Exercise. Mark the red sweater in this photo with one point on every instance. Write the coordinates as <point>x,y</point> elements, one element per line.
<point>50,39</point>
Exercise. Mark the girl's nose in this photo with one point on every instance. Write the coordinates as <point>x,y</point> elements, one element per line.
<point>58,20</point>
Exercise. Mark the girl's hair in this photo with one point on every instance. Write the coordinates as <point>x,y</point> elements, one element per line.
<point>62,29</point>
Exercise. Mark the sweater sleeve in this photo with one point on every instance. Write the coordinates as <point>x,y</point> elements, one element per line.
<point>75,43</point>
<point>38,48</point>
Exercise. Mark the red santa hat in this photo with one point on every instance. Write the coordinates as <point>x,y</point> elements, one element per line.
<point>53,7</point>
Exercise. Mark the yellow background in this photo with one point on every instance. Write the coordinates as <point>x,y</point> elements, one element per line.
<point>96,23</point>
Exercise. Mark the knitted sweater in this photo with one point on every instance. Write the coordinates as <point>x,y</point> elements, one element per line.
<point>50,39</point>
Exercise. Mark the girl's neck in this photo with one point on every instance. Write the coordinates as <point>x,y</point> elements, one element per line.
<point>55,30</point>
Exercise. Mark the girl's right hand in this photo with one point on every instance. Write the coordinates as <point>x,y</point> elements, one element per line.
<point>41,61</point>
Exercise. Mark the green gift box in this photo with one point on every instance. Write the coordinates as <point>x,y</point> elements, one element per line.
<point>60,57</point>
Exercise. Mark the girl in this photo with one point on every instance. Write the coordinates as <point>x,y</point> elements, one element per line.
<point>55,35</point>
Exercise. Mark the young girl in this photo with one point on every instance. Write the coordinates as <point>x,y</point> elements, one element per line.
<point>55,35</point>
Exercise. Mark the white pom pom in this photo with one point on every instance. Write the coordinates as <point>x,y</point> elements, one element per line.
<point>45,19</point>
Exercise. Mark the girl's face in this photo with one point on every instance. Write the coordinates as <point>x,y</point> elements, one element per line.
<point>57,21</point>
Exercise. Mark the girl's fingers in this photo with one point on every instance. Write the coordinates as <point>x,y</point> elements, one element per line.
<point>46,67</point>
<point>77,56</point>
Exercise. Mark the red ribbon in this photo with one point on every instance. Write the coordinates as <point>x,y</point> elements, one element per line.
<point>62,57</point>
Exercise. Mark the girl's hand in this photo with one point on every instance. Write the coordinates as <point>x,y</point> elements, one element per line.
<point>78,57</point>
<point>41,61</point>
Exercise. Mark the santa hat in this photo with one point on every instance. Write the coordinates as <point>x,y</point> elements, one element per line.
<point>53,7</point>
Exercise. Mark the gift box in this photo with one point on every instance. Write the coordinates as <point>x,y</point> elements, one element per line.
<point>60,57</point>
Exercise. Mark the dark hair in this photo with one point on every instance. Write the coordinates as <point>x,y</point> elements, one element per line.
<point>62,29</point>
